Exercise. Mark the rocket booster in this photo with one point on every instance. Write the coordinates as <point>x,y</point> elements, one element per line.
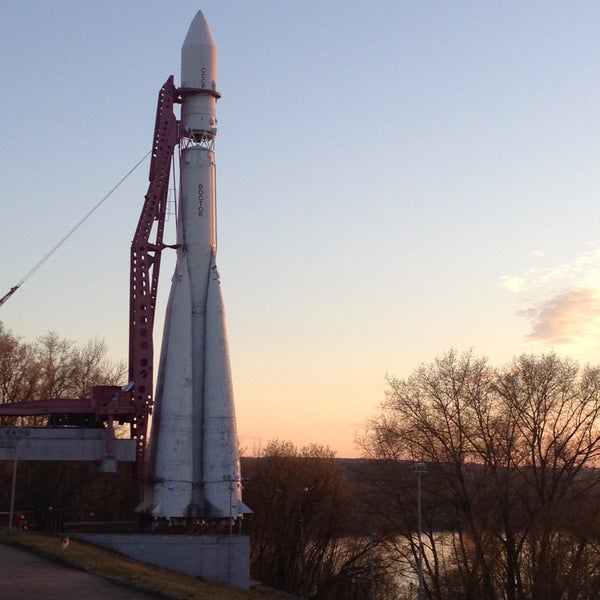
<point>194,469</point>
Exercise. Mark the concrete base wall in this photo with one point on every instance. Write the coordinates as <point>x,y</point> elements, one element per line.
<point>217,557</point>
<point>62,443</point>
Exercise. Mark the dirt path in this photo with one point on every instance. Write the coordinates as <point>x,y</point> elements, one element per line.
<point>25,575</point>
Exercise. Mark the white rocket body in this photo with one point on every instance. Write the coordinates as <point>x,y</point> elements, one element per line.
<point>194,469</point>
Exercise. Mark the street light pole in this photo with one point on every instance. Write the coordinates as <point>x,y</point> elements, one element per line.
<point>231,479</point>
<point>420,468</point>
<point>18,433</point>
<point>300,522</point>
<point>372,536</point>
<point>14,487</point>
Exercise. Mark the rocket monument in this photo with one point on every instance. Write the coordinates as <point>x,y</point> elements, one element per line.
<point>193,468</point>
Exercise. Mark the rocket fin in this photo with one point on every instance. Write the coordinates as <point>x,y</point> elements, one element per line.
<point>170,475</point>
<point>222,477</point>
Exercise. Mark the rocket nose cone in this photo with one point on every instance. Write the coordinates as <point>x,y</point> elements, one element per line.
<point>199,32</point>
<point>199,56</point>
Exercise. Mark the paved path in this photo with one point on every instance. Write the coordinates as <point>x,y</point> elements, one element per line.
<point>25,576</point>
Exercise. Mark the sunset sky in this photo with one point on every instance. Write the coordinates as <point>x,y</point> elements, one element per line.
<point>395,179</point>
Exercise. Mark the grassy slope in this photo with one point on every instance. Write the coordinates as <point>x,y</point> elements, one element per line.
<point>126,571</point>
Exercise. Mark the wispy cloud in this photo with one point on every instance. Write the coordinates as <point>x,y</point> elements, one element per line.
<point>513,283</point>
<point>566,318</point>
<point>562,301</point>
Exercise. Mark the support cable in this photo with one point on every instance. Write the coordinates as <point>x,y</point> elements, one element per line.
<point>71,232</point>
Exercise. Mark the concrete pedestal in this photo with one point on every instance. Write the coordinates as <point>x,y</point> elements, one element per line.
<point>218,557</point>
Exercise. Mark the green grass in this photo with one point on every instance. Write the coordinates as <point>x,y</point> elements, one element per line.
<point>126,571</point>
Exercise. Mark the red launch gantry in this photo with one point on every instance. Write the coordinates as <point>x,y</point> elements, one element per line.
<point>145,267</point>
<point>133,403</point>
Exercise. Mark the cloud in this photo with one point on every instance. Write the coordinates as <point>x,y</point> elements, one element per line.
<point>569,317</point>
<point>562,300</point>
<point>584,265</point>
<point>512,283</point>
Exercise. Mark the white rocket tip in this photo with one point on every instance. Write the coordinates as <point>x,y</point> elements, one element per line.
<point>199,32</point>
<point>199,56</point>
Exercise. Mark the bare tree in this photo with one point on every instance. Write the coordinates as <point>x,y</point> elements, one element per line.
<point>513,455</point>
<point>52,367</point>
<point>55,363</point>
<point>91,367</point>
<point>307,537</point>
<point>18,368</point>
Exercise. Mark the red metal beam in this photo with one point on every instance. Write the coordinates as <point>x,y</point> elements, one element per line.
<point>146,250</point>
<point>105,400</point>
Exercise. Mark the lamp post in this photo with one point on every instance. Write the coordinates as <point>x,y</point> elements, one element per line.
<point>300,522</point>
<point>420,468</point>
<point>231,479</point>
<point>18,433</point>
<point>372,537</point>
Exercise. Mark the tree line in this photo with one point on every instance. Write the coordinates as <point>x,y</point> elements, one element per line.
<point>52,367</point>
<point>509,499</point>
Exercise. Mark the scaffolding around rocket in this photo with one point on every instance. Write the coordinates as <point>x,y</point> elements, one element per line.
<point>193,470</point>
